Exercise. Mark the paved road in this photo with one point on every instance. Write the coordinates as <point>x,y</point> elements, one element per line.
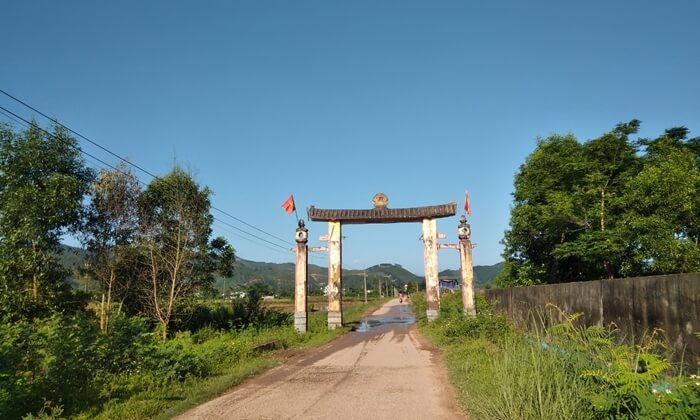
<point>385,370</point>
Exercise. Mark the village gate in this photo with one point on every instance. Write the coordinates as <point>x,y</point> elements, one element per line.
<point>336,218</point>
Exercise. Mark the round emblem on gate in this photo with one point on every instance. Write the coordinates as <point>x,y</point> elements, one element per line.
<point>380,201</point>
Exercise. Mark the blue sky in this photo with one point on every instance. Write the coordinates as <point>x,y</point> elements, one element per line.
<point>335,101</point>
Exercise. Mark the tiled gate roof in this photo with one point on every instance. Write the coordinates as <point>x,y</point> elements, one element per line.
<point>382,215</point>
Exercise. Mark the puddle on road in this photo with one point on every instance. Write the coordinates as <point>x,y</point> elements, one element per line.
<point>367,323</point>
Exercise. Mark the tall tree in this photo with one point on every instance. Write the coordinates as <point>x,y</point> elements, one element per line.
<point>600,247</point>
<point>109,236</point>
<point>617,213</point>
<point>547,212</point>
<point>175,224</point>
<point>663,204</point>
<point>42,183</point>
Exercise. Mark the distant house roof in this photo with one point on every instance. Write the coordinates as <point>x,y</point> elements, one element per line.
<point>382,215</point>
<point>449,284</point>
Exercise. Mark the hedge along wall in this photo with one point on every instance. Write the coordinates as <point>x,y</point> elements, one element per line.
<point>635,305</point>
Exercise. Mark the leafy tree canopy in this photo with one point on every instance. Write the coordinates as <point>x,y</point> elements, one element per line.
<point>42,184</point>
<point>606,208</point>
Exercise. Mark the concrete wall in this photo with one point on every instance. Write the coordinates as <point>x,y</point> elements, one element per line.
<point>636,305</point>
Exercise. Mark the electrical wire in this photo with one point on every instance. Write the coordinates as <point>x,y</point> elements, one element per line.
<point>6,111</point>
<point>94,143</point>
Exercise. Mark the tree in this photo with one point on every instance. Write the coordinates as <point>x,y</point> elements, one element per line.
<point>663,204</point>
<point>223,256</point>
<point>109,236</point>
<point>602,210</point>
<point>547,212</point>
<point>175,224</point>
<point>42,183</point>
<point>610,163</point>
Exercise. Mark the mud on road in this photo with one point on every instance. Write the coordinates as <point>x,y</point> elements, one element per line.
<point>383,370</point>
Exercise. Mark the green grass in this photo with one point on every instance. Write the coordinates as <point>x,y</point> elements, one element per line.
<point>161,403</point>
<point>558,369</point>
<point>141,397</point>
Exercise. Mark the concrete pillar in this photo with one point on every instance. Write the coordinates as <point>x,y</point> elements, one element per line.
<point>301,322</point>
<point>466,268</point>
<point>334,289</point>
<point>430,260</point>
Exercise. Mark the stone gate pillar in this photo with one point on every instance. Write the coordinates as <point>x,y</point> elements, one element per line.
<point>432,288</point>
<point>334,289</point>
<point>466,269</point>
<point>301,279</point>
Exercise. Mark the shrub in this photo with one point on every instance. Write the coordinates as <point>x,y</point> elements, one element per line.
<point>47,360</point>
<point>559,370</point>
<point>126,343</point>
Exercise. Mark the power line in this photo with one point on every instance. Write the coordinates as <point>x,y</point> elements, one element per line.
<point>28,123</point>
<point>131,163</point>
<point>252,241</point>
<point>10,117</point>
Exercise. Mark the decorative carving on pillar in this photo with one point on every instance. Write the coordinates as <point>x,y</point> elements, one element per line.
<point>335,274</point>
<point>466,270</point>
<point>430,261</point>
<point>301,278</point>
<point>464,230</point>
<point>302,235</point>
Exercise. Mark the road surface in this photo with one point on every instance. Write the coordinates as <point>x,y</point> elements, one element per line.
<point>384,370</point>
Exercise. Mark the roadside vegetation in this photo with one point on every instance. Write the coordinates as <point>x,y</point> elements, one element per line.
<point>613,206</point>
<point>557,369</point>
<point>63,366</point>
<point>153,337</point>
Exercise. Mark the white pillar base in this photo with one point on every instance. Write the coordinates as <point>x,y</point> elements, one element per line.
<point>300,322</point>
<point>432,314</point>
<point>335,320</point>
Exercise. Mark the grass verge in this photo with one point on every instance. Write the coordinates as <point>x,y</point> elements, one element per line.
<point>557,369</point>
<point>229,360</point>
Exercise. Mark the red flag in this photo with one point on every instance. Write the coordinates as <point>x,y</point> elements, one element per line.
<point>467,208</point>
<point>288,205</point>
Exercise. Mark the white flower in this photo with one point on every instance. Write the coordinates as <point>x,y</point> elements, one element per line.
<point>668,391</point>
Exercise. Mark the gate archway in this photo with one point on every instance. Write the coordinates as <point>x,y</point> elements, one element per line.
<point>336,218</point>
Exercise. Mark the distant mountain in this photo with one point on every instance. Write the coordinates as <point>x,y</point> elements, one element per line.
<point>484,275</point>
<point>72,259</point>
<point>279,277</point>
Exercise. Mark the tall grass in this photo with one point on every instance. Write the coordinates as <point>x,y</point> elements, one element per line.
<point>203,365</point>
<point>558,369</point>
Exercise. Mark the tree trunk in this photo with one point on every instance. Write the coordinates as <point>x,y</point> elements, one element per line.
<point>164,333</point>
<point>35,277</point>
<point>103,315</point>
<point>107,306</point>
<point>602,210</point>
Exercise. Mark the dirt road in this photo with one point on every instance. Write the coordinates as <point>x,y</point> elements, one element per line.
<point>384,370</point>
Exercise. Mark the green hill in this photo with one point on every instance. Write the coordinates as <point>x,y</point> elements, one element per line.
<point>484,275</point>
<point>279,277</point>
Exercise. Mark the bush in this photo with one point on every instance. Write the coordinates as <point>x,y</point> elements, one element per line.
<point>559,369</point>
<point>126,343</point>
<point>241,314</point>
<point>51,359</point>
<point>453,325</point>
<point>174,361</point>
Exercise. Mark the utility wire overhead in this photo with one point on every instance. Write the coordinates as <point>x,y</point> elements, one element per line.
<point>28,123</point>
<point>6,111</point>
<point>14,98</point>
